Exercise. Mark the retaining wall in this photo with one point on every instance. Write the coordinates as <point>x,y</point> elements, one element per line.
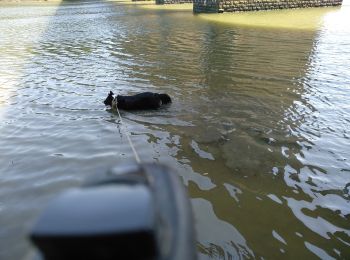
<point>216,6</point>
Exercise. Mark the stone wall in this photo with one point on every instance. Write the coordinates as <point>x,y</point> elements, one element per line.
<point>216,6</point>
<point>206,6</point>
<point>162,2</point>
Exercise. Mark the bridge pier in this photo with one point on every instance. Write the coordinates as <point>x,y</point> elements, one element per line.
<point>217,6</point>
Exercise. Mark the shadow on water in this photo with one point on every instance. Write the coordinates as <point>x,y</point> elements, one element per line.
<point>240,130</point>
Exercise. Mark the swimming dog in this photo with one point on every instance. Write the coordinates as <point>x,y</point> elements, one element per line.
<point>142,101</point>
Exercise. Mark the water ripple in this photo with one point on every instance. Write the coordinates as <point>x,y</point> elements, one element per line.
<point>258,127</point>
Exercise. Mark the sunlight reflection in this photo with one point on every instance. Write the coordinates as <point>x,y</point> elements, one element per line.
<point>325,177</point>
<point>17,44</point>
<point>298,19</point>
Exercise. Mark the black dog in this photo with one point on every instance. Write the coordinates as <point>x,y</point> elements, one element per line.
<point>145,100</point>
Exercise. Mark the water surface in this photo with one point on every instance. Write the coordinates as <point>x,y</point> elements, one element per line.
<point>258,129</point>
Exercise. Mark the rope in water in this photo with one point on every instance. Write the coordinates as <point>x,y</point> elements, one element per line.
<point>137,158</point>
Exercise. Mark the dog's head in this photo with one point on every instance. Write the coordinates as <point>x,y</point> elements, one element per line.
<point>165,98</point>
<point>108,101</point>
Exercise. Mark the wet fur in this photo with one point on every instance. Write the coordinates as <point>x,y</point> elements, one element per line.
<point>142,101</point>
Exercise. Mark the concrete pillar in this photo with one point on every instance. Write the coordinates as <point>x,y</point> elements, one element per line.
<point>206,6</point>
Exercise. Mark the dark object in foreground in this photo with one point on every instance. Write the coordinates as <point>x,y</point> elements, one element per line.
<point>142,101</point>
<point>132,212</point>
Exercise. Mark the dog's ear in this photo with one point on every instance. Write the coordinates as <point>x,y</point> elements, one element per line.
<point>111,93</point>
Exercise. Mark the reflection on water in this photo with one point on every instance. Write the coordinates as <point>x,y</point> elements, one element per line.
<point>301,19</point>
<point>258,129</point>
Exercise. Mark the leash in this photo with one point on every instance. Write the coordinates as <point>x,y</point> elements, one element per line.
<point>137,158</point>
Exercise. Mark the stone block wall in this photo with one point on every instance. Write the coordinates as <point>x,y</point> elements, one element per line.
<point>206,6</point>
<point>216,6</point>
<point>162,2</point>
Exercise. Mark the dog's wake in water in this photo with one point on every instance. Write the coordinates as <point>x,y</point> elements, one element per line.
<point>142,101</point>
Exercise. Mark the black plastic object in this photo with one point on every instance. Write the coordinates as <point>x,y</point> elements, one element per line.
<point>137,211</point>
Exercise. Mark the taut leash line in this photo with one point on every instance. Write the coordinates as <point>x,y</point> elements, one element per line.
<point>137,158</point>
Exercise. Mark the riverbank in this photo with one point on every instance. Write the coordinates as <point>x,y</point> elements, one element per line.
<point>27,1</point>
<point>5,3</point>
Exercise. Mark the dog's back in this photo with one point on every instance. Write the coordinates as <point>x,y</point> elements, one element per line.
<point>145,100</point>
<point>141,101</point>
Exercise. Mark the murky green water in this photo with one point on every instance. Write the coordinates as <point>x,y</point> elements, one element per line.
<point>258,128</point>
